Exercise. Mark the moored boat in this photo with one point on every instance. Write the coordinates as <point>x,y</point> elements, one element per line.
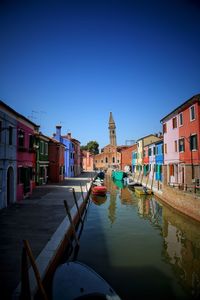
<point>99,190</point>
<point>76,281</point>
<point>118,175</point>
<point>141,190</point>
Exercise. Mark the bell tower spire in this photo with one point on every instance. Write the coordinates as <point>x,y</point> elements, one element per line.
<point>112,130</point>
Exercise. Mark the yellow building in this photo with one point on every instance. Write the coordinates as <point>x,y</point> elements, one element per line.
<point>141,143</point>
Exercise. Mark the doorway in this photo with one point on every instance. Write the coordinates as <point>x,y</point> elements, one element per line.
<point>10,186</point>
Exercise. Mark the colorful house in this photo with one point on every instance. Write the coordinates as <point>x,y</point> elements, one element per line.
<point>159,160</point>
<point>141,143</point>
<point>42,158</point>
<point>134,160</point>
<point>87,161</point>
<point>8,155</point>
<point>181,130</point>
<point>56,161</point>
<point>69,151</point>
<point>126,157</point>
<point>26,157</point>
<point>146,166</point>
<point>77,156</point>
<point>152,161</point>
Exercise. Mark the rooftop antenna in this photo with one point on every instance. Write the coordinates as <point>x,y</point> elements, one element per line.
<point>31,117</point>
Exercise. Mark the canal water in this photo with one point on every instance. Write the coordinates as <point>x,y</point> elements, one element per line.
<point>143,248</point>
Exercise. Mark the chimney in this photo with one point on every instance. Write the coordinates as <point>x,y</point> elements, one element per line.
<point>69,135</point>
<point>58,130</point>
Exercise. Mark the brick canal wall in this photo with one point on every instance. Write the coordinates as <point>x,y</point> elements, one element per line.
<point>188,204</point>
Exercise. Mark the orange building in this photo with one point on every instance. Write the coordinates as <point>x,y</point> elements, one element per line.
<point>126,156</point>
<point>109,158</point>
<point>87,161</point>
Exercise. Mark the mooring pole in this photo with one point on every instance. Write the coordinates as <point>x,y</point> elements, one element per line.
<point>35,269</point>
<point>25,292</point>
<point>82,191</point>
<point>71,221</point>
<point>76,203</point>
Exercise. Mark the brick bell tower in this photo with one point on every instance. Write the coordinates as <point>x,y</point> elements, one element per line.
<point>112,130</point>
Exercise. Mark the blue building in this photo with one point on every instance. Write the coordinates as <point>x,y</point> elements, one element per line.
<point>134,160</point>
<point>69,151</point>
<point>159,160</point>
<point>8,154</point>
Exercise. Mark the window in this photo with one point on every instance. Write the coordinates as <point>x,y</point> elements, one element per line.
<point>175,146</point>
<point>21,137</point>
<point>181,145</point>
<point>154,150</point>
<point>164,128</point>
<point>106,160</point>
<point>113,159</point>
<point>149,151</point>
<point>193,142</point>
<point>42,147</point>
<point>180,119</point>
<point>46,148</point>
<point>165,147</point>
<point>30,141</point>
<point>174,122</point>
<point>192,113</point>
<point>10,139</point>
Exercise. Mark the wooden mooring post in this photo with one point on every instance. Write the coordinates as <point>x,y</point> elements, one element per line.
<point>76,203</point>
<point>71,221</point>
<point>35,270</point>
<point>82,192</point>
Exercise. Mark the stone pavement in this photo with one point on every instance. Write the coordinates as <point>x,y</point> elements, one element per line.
<point>34,219</point>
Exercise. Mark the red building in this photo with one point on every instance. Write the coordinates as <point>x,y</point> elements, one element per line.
<point>56,161</point>
<point>126,156</point>
<point>189,136</point>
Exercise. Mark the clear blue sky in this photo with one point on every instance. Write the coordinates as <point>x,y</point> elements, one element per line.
<point>72,62</point>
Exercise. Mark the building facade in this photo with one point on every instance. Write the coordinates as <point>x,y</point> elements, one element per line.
<point>42,158</point>
<point>181,131</point>
<point>87,161</point>
<point>56,161</point>
<point>8,155</point>
<point>26,157</point>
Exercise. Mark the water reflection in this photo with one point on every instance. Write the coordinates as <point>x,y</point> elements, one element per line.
<point>182,249</point>
<point>144,249</point>
<point>98,200</point>
<point>181,235</point>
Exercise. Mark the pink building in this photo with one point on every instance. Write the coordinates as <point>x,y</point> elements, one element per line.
<point>170,142</point>
<point>181,130</point>
<point>26,157</point>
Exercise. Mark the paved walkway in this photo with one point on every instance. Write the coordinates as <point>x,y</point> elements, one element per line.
<point>34,219</point>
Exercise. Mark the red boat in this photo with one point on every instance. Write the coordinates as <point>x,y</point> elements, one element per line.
<point>99,190</point>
